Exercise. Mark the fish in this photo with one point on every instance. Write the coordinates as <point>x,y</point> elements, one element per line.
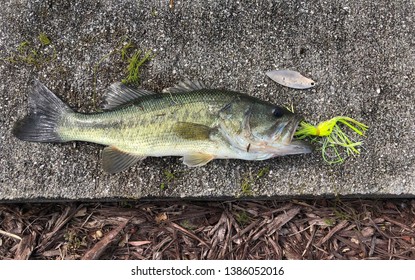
<point>189,120</point>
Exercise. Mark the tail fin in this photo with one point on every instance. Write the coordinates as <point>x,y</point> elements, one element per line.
<point>45,112</point>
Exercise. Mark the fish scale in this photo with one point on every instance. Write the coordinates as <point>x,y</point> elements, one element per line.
<point>147,126</point>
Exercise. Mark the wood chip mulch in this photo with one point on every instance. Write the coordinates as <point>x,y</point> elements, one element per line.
<point>323,229</point>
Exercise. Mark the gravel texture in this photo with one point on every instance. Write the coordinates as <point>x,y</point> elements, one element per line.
<point>361,53</point>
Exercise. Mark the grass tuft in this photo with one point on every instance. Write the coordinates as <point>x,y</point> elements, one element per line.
<point>248,181</point>
<point>33,53</point>
<point>44,39</point>
<point>134,67</point>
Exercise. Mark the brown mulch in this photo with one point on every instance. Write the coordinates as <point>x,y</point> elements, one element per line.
<point>323,229</point>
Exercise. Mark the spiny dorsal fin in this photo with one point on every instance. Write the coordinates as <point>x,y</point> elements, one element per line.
<point>192,131</point>
<point>197,159</point>
<point>185,86</point>
<point>114,160</point>
<point>118,94</point>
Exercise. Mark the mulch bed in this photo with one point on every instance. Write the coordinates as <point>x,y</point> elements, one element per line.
<point>306,229</point>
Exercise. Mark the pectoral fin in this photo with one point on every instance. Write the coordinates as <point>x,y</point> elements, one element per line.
<point>114,160</point>
<point>197,159</point>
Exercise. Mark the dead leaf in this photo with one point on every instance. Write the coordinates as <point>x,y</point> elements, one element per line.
<point>161,218</point>
<point>81,212</point>
<point>367,231</point>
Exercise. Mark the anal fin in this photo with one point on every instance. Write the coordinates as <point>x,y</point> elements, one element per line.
<point>197,159</point>
<point>115,160</point>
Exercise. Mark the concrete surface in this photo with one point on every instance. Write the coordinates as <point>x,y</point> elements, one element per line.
<point>362,54</point>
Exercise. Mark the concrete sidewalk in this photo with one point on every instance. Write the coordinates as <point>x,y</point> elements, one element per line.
<point>361,53</point>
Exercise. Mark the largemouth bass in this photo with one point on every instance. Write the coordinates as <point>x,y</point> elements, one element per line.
<point>188,120</point>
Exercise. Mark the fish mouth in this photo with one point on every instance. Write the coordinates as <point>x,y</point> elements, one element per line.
<point>294,146</point>
<point>290,128</point>
<point>281,142</point>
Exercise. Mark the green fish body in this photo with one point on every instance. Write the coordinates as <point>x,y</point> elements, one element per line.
<point>188,120</point>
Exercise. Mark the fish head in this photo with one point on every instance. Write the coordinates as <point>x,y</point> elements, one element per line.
<point>271,129</point>
<point>270,123</point>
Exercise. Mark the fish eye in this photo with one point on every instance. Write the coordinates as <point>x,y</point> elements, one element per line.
<point>278,112</point>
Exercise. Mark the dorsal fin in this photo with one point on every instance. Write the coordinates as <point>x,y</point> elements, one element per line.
<point>118,94</point>
<point>185,86</point>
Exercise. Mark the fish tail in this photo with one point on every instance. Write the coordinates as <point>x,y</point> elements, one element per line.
<point>46,111</point>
